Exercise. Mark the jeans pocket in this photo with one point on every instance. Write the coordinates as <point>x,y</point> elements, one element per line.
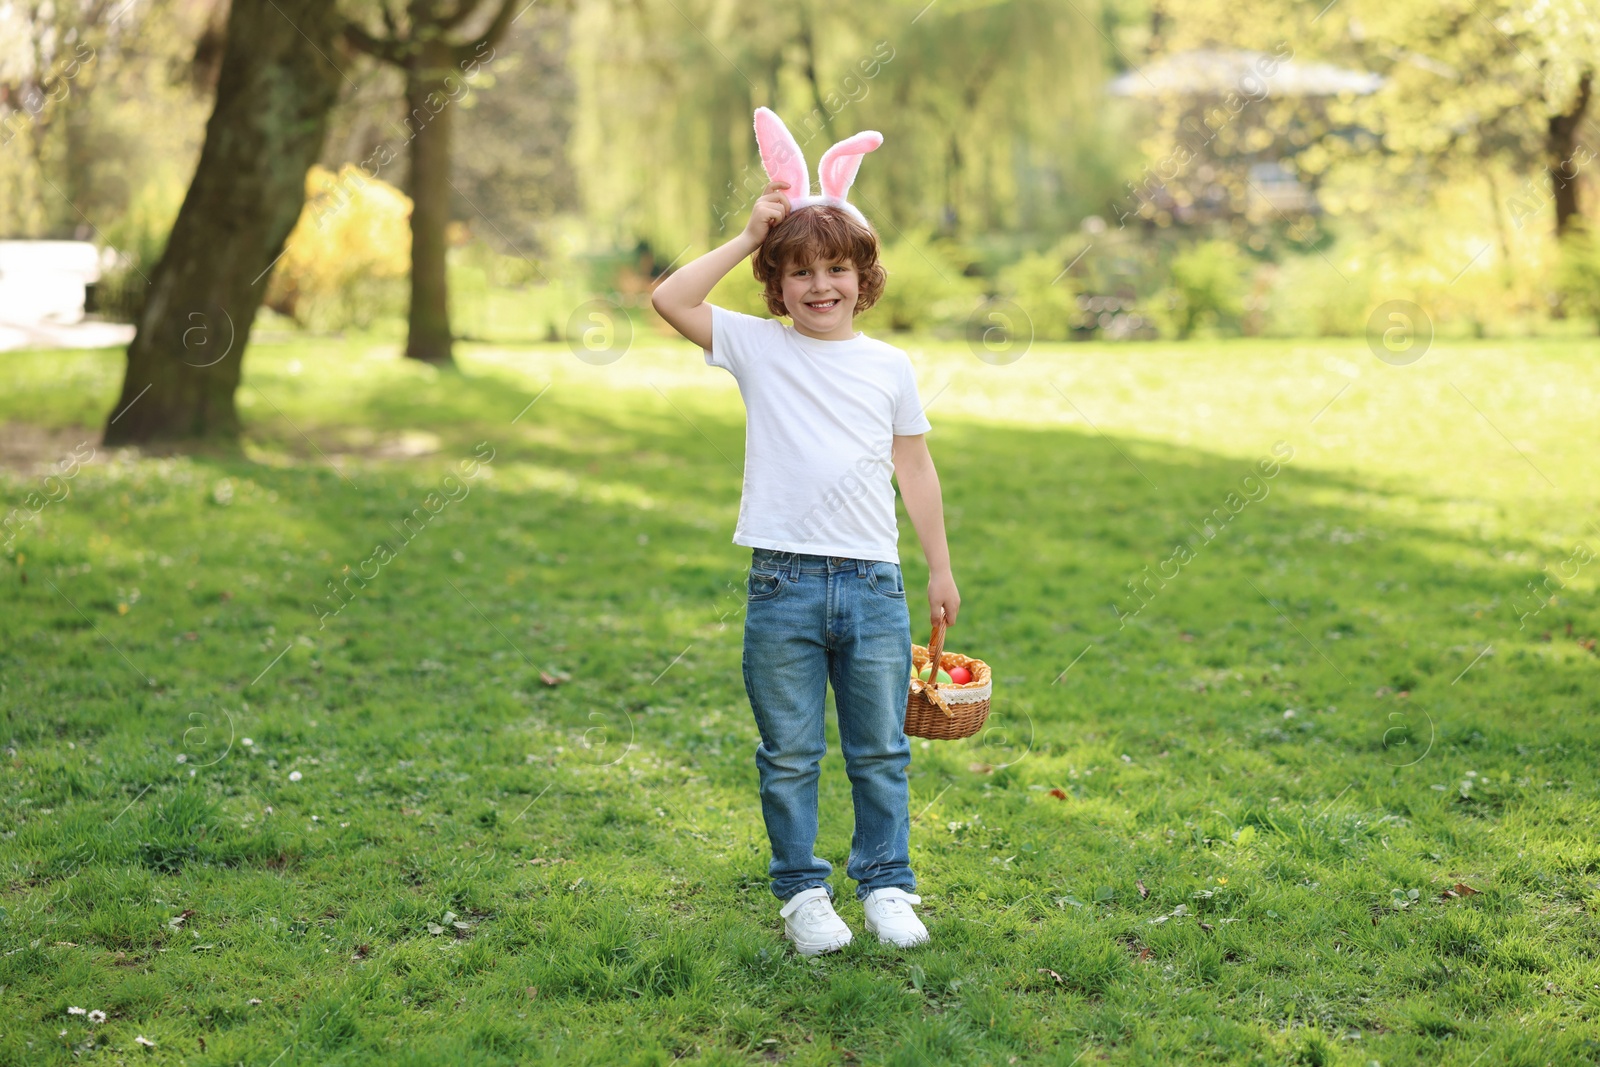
<point>763,586</point>
<point>886,580</point>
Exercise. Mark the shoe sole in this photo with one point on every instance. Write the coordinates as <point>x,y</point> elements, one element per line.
<point>830,947</point>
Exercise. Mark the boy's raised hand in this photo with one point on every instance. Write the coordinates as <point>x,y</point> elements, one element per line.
<point>767,212</point>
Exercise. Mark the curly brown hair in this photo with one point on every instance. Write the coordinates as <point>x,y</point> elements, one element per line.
<point>808,233</point>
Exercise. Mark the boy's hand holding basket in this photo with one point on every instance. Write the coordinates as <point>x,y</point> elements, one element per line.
<point>944,711</point>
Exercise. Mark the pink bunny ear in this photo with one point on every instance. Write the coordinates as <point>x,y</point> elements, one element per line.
<point>837,170</point>
<point>781,155</point>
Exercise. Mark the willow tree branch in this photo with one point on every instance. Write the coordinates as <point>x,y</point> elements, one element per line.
<point>388,49</point>
<point>464,10</point>
<point>489,37</point>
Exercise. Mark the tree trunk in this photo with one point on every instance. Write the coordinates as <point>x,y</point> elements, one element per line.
<point>434,67</point>
<point>1562,146</point>
<point>428,108</point>
<point>266,130</point>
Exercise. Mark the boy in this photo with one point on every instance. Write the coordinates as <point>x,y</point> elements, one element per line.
<point>830,413</point>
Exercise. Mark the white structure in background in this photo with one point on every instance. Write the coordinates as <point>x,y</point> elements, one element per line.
<point>45,281</point>
<point>42,290</point>
<point>1217,72</point>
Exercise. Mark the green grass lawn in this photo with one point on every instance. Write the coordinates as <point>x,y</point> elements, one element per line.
<point>1220,828</point>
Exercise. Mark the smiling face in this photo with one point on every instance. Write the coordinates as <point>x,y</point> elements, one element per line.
<point>819,267</point>
<point>821,297</point>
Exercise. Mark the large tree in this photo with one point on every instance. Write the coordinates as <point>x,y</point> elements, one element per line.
<point>276,86</point>
<point>422,42</point>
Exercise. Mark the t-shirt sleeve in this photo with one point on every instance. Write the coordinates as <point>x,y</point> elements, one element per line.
<point>908,415</point>
<point>737,339</point>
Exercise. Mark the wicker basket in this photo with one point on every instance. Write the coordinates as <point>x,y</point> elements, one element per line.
<point>946,711</point>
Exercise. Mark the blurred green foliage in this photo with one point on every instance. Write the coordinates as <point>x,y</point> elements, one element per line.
<point>1041,284</point>
<point>928,287</point>
<point>1208,283</point>
<point>1579,274</point>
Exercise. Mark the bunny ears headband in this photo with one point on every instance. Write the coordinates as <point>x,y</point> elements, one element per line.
<point>781,157</point>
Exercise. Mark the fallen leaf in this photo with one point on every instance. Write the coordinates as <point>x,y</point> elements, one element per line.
<point>1052,974</point>
<point>1059,793</point>
<point>533,992</point>
<point>554,679</point>
<point>178,920</point>
<point>435,928</point>
<point>1207,927</point>
<point>1144,954</point>
<point>361,952</point>
<point>1144,894</point>
<point>1464,889</point>
<point>977,767</point>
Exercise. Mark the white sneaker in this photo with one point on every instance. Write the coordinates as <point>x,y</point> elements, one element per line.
<point>811,923</point>
<point>889,915</point>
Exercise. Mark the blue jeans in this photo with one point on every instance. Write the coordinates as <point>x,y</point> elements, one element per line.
<point>811,620</point>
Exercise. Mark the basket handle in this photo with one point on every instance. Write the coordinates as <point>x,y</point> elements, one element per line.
<point>935,652</point>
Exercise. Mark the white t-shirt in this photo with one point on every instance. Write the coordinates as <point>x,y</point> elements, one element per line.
<point>821,417</point>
